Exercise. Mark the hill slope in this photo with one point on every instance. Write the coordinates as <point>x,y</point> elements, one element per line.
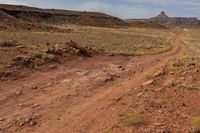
<point>53,16</point>
<point>31,18</point>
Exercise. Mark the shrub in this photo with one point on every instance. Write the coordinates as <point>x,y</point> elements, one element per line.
<point>2,67</point>
<point>8,43</point>
<point>134,119</point>
<point>196,124</point>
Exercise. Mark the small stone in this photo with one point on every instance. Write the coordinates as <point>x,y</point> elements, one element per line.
<point>2,119</point>
<point>157,103</point>
<point>192,64</point>
<point>140,94</point>
<point>28,119</point>
<point>158,74</point>
<point>160,111</point>
<point>119,66</point>
<point>21,123</point>
<point>149,82</point>
<point>35,105</point>
<point>19,92</point>
<point>52,66</point>
<point>33,123</point>
<point>158,89</point>
<point>157,124</point>
<point>22,104</point>
<point>34,87</point>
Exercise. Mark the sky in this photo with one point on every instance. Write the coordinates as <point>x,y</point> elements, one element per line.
<point>121,8</point>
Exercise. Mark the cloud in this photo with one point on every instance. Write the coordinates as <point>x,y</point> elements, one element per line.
<point>119,10</point>
<point>14,2</point>
<point>142,8</point>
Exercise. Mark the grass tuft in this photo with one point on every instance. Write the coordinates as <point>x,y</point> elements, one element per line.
<point>2,67</point>
<point>134,119</point>
<point>196,124</point>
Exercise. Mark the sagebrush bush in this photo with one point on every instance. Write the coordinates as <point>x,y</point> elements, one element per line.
<point>8,43</point>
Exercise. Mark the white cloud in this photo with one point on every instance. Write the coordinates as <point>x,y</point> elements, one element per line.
<point>14,2</point>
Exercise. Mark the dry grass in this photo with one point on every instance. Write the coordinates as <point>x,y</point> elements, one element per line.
<point>196,124</point>
<point>2,67</point>
<point>192,42</point>
<point>131,41</point>
<point>134,119</point>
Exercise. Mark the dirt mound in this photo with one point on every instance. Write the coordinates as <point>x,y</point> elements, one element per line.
<point>52,16</point>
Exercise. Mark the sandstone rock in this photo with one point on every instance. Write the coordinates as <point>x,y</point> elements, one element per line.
<point>140,94</point>
<point>149,82</point>
<point>19,92</point>
<point>32,123</point>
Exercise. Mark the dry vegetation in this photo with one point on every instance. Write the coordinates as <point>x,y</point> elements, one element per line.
<point>192,42</point>
<point>134,119</point>
<point>131,41</point>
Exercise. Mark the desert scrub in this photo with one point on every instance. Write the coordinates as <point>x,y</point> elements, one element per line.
<point>169,68</point>
<point>196,124</point>
<point>8,43</point>
<point>134,119</point>
<point>181,85</point>
<point>2,67</point>
<point>44,57</point>
<point>192,42</point>
<point>130,41</point>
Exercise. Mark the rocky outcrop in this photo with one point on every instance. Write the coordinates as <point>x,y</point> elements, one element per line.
<point>163,19</point>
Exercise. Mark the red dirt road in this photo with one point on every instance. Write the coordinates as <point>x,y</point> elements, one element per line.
<point>79,96</point>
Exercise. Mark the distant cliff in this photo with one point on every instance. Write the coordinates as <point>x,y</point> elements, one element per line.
<point>165,20</point>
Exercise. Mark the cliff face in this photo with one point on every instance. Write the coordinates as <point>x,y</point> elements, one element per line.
<point>163,19</point>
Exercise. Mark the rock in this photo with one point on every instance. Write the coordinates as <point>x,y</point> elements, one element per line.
<point>32,123</point>
<point>19,92</point>
<point>158,124</point>
<point>159,73</point>
<point>149,82</point>
<point>157,103</point>
<point>34,87</point>
<point>160,111</point>
<point>22,104</point>
<point>28,119</point>
<point>140,94</point>
<point>52,66</point>
<point>158,89</point>
<point>21,123</point>
<point>192,64</point>
<point>119,66</point>
<point>20,46</point>
<point>35,105</point>
<point>2,119</point>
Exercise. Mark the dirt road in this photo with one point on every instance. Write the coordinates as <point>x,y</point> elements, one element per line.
<point>81,95</point>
